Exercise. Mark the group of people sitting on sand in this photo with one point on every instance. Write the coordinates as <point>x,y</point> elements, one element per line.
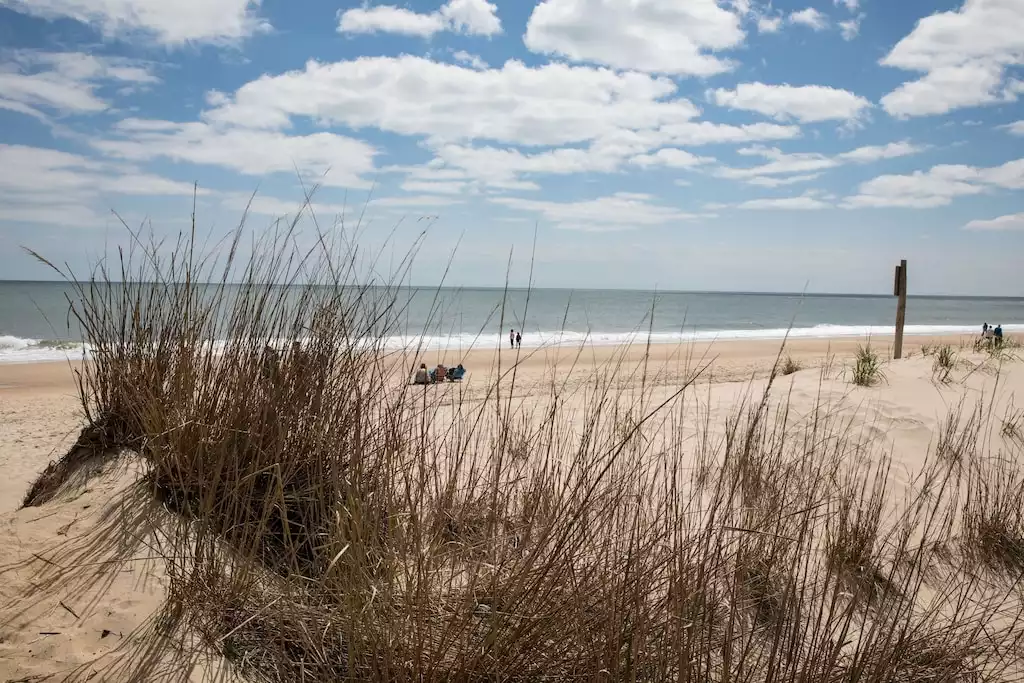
<point>438,374</point>
<point>992,336</point>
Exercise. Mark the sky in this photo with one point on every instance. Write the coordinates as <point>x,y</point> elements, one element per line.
<point>734,145</point>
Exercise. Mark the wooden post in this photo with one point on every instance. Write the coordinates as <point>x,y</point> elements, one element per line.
<point>900,290</point>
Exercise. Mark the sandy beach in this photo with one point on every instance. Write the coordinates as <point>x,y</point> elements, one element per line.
<point>47,631</point>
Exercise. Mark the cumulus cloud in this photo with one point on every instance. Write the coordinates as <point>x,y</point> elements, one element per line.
<point>1015,128</point>
<point>850,28</point>
<point>502,168</point>
<point>620,211</point>
<point>806,202</point>
<point>469,59</point>
<point>470,17</point>
<point>936,187</point>
<point>1011,222</point>
<point>43,185</point>
<point>864,155</point>
<point>807,165</point>
<point>806,103</point>
<point>769,24</point>
<point>595,119</point>
<point>389,19</point>
<point>38,83</point>
<point>964,56</point>
<point>325,157</point>
<point>169,23</point>
<point>772,181</point>
<point>671,158</point>
<point>810,18</point>
<point>662,36</point>
<point>546,105</point>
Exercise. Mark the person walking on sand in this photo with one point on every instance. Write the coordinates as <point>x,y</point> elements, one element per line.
<point>519,340</point>
<point>984,329</point>
<point>512,338</point>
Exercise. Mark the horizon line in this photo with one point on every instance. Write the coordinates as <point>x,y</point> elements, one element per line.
<point>500,288</point>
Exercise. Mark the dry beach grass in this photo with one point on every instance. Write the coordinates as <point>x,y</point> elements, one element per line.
<point>316,518</point>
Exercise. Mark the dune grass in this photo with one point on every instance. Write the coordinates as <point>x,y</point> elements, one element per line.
<point>334,523</point>
<point>790,366</point>
<point>945,363</point>
<point>867,368</point>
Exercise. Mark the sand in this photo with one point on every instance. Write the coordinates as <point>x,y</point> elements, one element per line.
<point>85,627</point>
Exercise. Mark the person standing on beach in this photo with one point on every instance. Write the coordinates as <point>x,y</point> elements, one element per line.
<point>984,329</point>
<point>519,340</point>
<point>512,338</point>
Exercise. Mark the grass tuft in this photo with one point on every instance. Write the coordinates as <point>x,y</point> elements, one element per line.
<point>867,369</point>
<point>790,366</point>
<point>945,363</point>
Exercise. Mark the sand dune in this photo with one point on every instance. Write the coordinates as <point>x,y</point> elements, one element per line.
<point>78,579</point>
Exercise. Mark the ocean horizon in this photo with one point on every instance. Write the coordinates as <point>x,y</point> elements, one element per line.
<point>35,324</point>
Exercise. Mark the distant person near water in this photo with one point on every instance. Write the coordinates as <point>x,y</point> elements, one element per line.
<point>998,334</point>
<point>519,340</point>
<point>984,329</point>
<point>512,338</point>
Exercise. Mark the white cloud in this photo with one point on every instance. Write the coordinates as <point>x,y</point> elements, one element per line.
<point>330,159</point>
<point>935,187</point>
<point>769,24</point>
<point>803,203</point>
<point>963,55</point>
<point>423,200</point>
<point>779,163</point>
<point>771,181</point>
<point>811,18</point>
<point>851,5</point>
<point>803,164</point>
<point>471,17</point>
<point>449,187</point>
<point>42,185</point>
<point>389,19</point>
<point>620,211</point>
<point>850,28</point>
<point>807,103</point>
<point>672,158</point>
<point>500,168</point>
<point>169,23</point>
<point>273,206</point>
<point>34,82</point>
<point>946,88</point>
<point>662,36</point>
<point>865,155</point>
<point>1015,128</point>
<point>547,105</point>
<point>463,57</point>
<point>595,118</point>
<point>708,133</point>
<point>1011,222</point>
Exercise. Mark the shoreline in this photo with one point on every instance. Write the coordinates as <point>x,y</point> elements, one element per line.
<point>732,357</point>
<point>16,350</point>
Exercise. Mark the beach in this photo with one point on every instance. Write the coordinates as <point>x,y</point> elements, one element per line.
<point>60,629</point>
<point>42,414</point>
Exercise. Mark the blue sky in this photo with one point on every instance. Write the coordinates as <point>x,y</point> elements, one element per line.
<point>722,145</point>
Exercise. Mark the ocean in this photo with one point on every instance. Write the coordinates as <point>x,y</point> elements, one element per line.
<point>35,325</point>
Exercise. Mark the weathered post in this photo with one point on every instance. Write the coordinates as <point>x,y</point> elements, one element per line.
<point>900,290</point>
